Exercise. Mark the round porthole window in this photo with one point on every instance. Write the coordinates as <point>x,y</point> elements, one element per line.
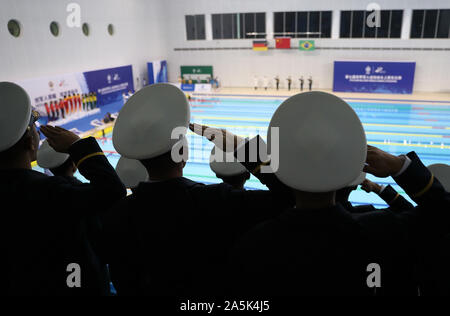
<point>14,28</point>
<point>85,29</point>
<point>111,29</point>
<point>54,28</point>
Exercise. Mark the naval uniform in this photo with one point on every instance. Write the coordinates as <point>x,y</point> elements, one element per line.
<point>389,195</point>
<point>173,237</point>
<point>327,251</point>
<point>44,229</point>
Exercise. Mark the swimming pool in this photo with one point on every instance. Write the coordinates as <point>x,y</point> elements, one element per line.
<point>396,127</point>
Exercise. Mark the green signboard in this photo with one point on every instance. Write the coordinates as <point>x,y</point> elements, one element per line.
<point>196,74</point>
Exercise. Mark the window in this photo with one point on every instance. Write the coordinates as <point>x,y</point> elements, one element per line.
<point>54,29</point>
<point>346,22</point>
<point>239,25</point>
<point>314,24</point>
<point>354,24</point>
<point>85,29</point>
<point>443,24</point>
<point>111,29</point>
<point>195,27</point>
<point>14,28</point>
<point>430,24</point>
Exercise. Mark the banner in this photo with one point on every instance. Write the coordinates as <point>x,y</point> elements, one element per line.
<point>157,71</point>
<point>196,74</point>
<point>61,99</point>
<point>374,77</point>
<point>109,84</point>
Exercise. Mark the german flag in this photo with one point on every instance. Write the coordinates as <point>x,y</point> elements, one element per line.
<point>260,45</point>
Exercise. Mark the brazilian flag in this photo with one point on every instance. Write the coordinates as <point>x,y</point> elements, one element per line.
<point>307,45</point>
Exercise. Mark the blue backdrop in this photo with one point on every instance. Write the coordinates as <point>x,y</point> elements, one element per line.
<point>109,84</point>
<point>157,71</point>
<point>374,77</point>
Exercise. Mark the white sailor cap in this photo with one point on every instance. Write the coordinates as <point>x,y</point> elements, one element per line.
<point>131,172</point>
<point>225,164</point>
<point>48,158</point>
<point>362,176</point>
<point>322,145</point>
<point>15,108</point>
<point>442,173</point>
<point>145,125</point>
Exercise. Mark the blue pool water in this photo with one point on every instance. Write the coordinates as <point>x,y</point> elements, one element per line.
<point>397,128</point>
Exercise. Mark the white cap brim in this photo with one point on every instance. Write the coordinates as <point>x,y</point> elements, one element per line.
<point>442,173</point>
<point>322,144</point>
<point>131,172</point>
<point>48,158</point>
<point>145,125</point>
<point>15,108</point>
<point>362,176</point>
<point>225,164</point>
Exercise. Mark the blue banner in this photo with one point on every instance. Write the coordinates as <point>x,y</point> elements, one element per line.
<point>374,77</point>
<point>188,87</point>
<point>109,84</point>
<point>157,72</point>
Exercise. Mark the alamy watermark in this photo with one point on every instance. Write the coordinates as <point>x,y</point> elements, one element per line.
<point>374,17</point>
<point>74,17</point>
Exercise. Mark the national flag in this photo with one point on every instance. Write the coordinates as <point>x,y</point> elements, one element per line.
<point>307,45</point>
<point>283,42</point>
<point>260,45</point>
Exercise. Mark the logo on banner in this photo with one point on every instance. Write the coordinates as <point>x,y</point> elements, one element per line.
<point>110,78</point>
<point>380,70</point>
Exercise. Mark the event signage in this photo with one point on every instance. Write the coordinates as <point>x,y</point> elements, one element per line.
<point>157,71</point>
<point>108,84</point>
<point>374,77</point>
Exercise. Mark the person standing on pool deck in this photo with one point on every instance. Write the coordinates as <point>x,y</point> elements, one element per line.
<point>265,82</point>
<point>302,81</point>
<point>289,80</point>
<point>310,82</point>
<point>277,82</point>
<point>255,82</point>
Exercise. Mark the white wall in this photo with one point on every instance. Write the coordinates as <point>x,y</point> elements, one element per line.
<point>36,53</point>
<point>146,30</point>
<point>237,67</point>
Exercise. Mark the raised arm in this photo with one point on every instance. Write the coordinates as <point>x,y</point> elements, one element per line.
<point>105,187</point>
<point>388,194</point>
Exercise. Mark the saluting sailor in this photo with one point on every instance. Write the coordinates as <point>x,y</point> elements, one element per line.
<point>60,164</point>
<point>228,169</point>
<point>434,277</point>
<point>172,235</point>
<point>42,236</point>
<point>318,247</point>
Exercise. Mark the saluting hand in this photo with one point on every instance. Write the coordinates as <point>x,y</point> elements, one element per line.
<point>382,164</point>
<point>59,138</point>
<point>370,186</point>
<point>223,139</point>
